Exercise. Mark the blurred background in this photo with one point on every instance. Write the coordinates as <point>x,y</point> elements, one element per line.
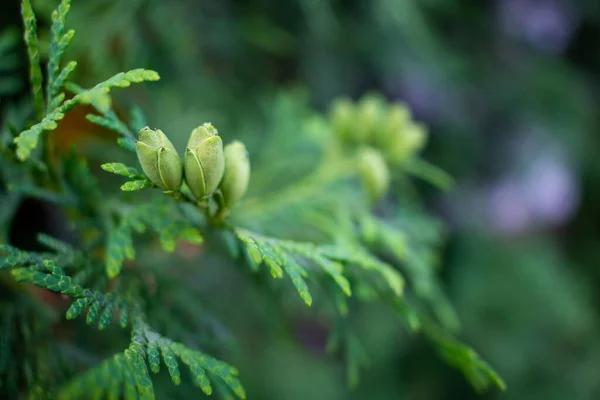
<point>510,91</point>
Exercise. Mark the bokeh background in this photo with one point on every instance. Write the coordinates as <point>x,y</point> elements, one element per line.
<point>510,90</point>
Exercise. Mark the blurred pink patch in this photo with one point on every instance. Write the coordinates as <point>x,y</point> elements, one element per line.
<point>508,208</point>
<point>551,190</point>
<point>544,193</point>
<point>537,190</point>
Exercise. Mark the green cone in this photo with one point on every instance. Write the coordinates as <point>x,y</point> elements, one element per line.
<point>407,142</point>
<point>204,161</point>
<point>341,115</point>
<point>396,119</point>
<point>368,119</point>
<point>159,159</point>
<point>374,172</point>
<point>237,173</point>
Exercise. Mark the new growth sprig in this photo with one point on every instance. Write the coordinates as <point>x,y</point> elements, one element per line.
<point>52,109</point>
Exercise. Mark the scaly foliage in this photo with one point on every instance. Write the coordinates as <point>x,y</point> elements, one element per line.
<point>127,373</point>
<point>59,41</point>
<point>129,368</point>
<point>140,181</point>
<point>159,217</point>
<point>28,139</point>
<point>109,119</point>
<point>318,228</point>
<point>278,255</point>
<point>477,371</point>
<point>35,70</point>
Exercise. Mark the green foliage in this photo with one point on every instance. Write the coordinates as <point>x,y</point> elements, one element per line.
<point>140,182</point>
<point>27,140</point>
<point>64,255</point>
<point>276,258</point>
<point>35,70</point>
<point>278,255</point>
<point>430,173</point>
<point>312,216</point>
<point>356,358</point>
<point>477,371</point>
<point>128,368</point>
<point>59,42</point>
<point>127,373</point>
<point>54,279</point>
<point>123,374</point>
<point>111,121</point>
<point>159,217</point>
<point>121,169</point>
<point>411,240</point>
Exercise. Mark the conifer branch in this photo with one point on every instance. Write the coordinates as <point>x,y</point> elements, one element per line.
<point>128,373</point>
<point>156,215</point>
<point>354,255</point>
<point>59,41</point>
<point>27,140</point>
<point>479,373</point>
<point>33,51</point>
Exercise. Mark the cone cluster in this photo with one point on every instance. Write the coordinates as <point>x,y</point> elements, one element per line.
<point>207,167</point>
<point>374,122</point>
<point>382,134</point>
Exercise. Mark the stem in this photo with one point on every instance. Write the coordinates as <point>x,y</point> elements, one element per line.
<point>219,218</point>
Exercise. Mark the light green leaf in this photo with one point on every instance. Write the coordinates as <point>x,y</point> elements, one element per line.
<point>121,169</point>
<point>136,185</point>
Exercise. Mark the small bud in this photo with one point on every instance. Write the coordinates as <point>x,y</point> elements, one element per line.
<point>204,161</point>
<point>368,121</point>
<point>159,159</point>
<point>374,172</point>
<point>237,173</point>
<point>408,141</point>
<point>341,115</point>
<point>396,119</point>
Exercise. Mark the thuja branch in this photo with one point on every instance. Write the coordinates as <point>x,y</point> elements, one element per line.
<point>28,139</point>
